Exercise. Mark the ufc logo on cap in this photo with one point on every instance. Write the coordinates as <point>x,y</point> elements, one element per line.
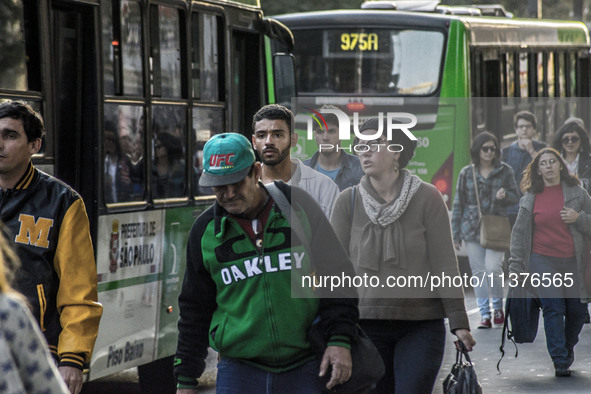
<point>219,160</point>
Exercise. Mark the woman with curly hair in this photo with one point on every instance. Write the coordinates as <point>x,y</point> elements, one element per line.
<point>548,240</point>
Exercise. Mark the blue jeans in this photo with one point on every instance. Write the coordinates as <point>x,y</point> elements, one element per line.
<point>412,352</point>
<point>484,262</point>
<point>564,314</point>
<point>235,377</point>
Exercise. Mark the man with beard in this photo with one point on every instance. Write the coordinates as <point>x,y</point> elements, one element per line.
<point>272,138</point>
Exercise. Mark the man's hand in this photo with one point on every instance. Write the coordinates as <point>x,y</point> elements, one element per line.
<point>340,359</point>
<point>186,391</point>
<point>73,378</point>
<point>527,145</point>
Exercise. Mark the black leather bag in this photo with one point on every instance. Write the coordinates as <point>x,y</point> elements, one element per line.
<point>462,379</point>
<point>368,367</point>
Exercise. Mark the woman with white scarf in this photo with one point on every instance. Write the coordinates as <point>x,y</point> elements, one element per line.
<point>396,229</point>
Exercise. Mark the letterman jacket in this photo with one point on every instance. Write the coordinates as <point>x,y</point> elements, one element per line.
<point>240,302</point>
<point>48,226</point>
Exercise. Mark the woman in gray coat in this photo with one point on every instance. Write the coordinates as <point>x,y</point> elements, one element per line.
<point>548,242</point>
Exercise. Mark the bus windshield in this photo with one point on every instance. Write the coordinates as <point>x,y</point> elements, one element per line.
<point>368,61</point>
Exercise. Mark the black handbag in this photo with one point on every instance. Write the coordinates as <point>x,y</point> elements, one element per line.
<point>368,366</point>
<point>462,379</point>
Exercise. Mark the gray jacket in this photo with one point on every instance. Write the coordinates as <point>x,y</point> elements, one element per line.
<point>322,189</point>
<point>575,197</point>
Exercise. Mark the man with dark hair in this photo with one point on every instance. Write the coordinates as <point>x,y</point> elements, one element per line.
<point>273,138</point>
<point>237,291</point>
<point>520,153</point>
<point>343,168</point>
<point>49,228</point>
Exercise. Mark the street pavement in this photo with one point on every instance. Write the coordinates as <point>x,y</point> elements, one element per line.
<point>531,372</point>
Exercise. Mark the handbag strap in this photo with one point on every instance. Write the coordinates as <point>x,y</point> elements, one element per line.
<point>476,190</point>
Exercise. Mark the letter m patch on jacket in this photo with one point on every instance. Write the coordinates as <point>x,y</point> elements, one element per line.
<point>34,232</point>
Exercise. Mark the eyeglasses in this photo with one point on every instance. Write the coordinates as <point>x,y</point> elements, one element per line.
<point>548,163</point>
<point>570,140</point>
<point>487,149</point>
<point>524,126</point>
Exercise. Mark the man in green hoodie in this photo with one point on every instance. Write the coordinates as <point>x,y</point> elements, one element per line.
<point>236,295</point>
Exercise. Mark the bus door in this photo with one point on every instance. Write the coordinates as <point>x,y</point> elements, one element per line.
<point>74,93</point>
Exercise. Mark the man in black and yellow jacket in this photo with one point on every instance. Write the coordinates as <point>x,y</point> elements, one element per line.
<point>237,292</point>
<point>47,223</point>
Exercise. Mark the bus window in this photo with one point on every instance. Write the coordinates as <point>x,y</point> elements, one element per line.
<point>541,73</point>
<point>513,74</point>
<point>523,73</point>
<point>19,62</point>
<point>169,126</point>
<point>571,69</point>
<point>560,74</point>
<point>165,48</point>
<point>111,48</point>
<point>550,73</point>
<point>122,47</point>
<point>355,61</point>
<point>123,154</point>
<point>206,123</point>
<point>131,42</point>
<point>205,62</point>
<point>247,96</point>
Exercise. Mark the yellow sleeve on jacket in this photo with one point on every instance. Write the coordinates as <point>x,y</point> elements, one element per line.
<point>77,297</point>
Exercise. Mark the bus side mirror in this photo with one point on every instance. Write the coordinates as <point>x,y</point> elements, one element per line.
<point>284,78</point>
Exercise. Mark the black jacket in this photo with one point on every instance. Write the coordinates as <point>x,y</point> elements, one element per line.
<point>48,225</point>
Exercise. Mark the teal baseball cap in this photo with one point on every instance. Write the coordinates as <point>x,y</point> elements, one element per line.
<point>227,159</point>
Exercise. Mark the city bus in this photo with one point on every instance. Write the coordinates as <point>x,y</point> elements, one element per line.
<point>130,91</point>
<point>459,74</point>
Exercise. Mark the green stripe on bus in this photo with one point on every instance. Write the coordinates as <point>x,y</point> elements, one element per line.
<point>118,284</point>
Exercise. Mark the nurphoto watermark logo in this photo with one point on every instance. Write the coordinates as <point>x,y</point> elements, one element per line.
<point>391,121</point>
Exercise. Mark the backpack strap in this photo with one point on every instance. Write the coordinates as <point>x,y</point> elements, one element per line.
<point>506,332</point>
<point>285,207</point>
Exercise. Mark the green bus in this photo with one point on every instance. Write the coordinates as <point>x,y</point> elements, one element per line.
<point>459,74</point>
<point>130,91</point>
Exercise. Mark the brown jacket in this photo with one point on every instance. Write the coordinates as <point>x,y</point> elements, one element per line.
<point>426,249</point>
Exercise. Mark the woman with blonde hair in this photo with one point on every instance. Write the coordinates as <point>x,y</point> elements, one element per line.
<point>27,365</point>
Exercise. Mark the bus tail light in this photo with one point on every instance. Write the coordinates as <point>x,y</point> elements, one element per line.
<point>443,179</point>
<point>356,107</point>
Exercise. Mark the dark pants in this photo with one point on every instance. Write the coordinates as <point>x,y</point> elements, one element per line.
<point>235,377</point>
<point>412,352</point>
<point>564,314</point>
